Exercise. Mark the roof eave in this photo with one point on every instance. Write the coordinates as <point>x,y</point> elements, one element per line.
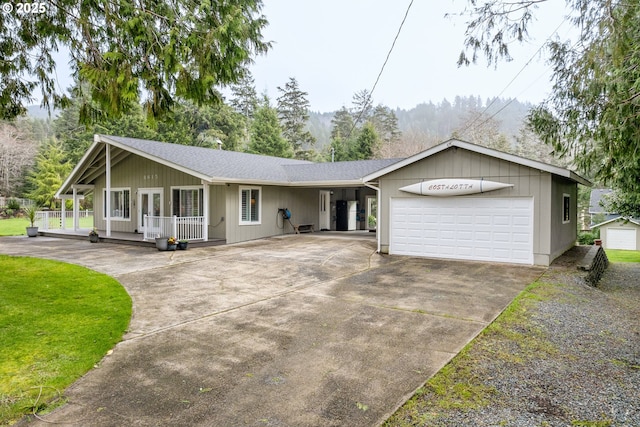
<point>105,139</point>
<point>481,150</point>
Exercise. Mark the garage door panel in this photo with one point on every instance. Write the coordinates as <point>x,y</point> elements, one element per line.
<point>621,238</point>
<point>488,229</point>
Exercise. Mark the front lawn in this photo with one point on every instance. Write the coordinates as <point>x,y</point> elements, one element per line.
<point>13,226</point>
<point>17,226</point>
<point>619,255</point>
<point>56,322</point>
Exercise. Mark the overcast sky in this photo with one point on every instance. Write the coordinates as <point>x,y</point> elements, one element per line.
<point>335,48</point>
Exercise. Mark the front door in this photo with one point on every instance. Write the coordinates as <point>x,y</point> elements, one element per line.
<point>149,203</point>
<point>325,210</point>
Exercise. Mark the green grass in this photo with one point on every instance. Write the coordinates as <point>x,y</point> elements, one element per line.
<point>619,255</point>
<point>17,226</point>
<point>13,226</point>
<point>56,322</point>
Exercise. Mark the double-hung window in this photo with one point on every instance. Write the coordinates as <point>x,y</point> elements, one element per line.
<point>250,205</point>
<point>186,201</point>
<point>120,204</point>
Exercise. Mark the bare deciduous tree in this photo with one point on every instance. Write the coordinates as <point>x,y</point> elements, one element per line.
<point>17,153</point>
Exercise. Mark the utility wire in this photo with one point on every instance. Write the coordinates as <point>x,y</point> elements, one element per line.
<point>495,99</point>
<point>369,97</point>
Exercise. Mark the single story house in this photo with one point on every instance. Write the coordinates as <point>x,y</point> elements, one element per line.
<point>620,233</point>
<point>455,200</point>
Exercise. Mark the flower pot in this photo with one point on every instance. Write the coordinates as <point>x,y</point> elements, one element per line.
<point>32,231</point>
<point>183,245</point>
<point>171,247</point>
<point>161,243</point>
<point>94,238</point>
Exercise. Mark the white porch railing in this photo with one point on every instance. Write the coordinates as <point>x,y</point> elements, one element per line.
<point>52,220</point>
<point>180,227</point>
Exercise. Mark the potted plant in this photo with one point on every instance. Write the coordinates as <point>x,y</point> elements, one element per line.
<point>93,235</point>
<point>182,245</point>
<point>161,243</point>
<point>372,223</point>
<point>171,243</point>
<point>31,212</point>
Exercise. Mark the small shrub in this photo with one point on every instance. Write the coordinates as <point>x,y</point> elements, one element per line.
<point>586,238</point>
<point>13,204</point>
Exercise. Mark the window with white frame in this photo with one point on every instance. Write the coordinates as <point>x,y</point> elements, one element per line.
<point>186,201</point>
<point>120,204</point>
<point>566,208</point>
<point>250,205</point>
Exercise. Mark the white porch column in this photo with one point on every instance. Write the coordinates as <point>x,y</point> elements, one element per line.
<point>76,220</point>
<point>108,198</point>
<point>205,210</point>
<point>63,213</point>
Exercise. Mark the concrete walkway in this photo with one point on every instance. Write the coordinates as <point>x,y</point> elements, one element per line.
<point>289,331</point>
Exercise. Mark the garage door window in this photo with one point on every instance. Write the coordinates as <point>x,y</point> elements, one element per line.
<point>566,209</point>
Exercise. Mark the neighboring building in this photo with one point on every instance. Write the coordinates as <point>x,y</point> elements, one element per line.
<point>237,197</point>
<point>596,211</point>
<point>620,233</point>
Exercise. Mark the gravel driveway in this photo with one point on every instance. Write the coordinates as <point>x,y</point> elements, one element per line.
<point>576,361</point>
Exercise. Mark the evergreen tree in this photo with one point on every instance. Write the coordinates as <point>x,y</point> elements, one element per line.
<point>51,169</point>
<point>385,123</point>
<point>164,51</point>
<point>244,98</point>
<point>362,107</point>
<point>266,134</point>
<point>293,111</point>
<point>341,124</point>
<point>592,114</point>
<point>366,143</point>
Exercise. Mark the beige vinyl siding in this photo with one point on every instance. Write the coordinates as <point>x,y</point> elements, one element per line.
<point>564,235</point>
<point>459,163</point>
<point>217,228</point>
<point>136,172</point>
<point>302,202</point>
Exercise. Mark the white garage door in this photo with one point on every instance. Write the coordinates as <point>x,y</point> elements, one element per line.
<point>621,238</point>
<point>485,229</point>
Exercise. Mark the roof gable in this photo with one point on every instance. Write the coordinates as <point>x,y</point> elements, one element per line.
<point>481,150</point>
<point>620,218</point>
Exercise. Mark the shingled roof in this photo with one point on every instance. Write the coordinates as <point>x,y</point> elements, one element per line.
<point>220,165</point>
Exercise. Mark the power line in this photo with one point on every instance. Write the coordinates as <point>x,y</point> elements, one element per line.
<point>369,97</point>
<point>479,116</point>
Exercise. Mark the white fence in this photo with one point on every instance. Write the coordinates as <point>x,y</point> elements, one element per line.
<point>4,201</point>
<point>180,227</point>
<point>52,220</point>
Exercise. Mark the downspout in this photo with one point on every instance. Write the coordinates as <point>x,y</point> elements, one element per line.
<point>373,187</point>
<point>108,197</point>
<point>205,210</point>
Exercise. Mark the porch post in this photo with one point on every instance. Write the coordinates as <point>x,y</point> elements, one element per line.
<point>63,214</point>
<point>76,221</point>
<point>205,211</point>
<point>108,197</point>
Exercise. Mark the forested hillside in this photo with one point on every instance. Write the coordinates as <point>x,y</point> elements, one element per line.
<point>438,121</point>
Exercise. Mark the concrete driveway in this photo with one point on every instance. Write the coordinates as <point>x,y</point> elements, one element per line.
<point>290,331</point>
